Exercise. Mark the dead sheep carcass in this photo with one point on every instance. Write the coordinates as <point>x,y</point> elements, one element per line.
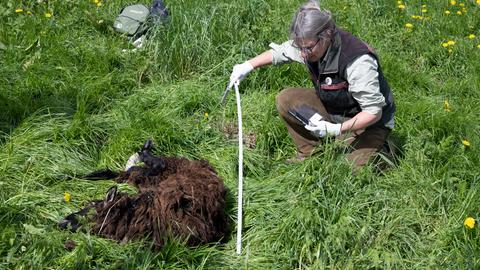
<point>177,197</point>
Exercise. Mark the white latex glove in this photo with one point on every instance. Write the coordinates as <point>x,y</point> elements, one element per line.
<point>321,128</point>
<point>239,72</point>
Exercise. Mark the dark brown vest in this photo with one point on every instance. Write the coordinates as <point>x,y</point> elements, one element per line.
<point>329,77</point>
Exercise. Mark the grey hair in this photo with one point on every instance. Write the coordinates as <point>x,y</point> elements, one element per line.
<point>310,21</point>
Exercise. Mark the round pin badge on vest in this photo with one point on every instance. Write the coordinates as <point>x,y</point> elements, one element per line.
<point>328,81</point>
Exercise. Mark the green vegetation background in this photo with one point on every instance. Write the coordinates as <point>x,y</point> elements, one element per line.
<point>71,102</point>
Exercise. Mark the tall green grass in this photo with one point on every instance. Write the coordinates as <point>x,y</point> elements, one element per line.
<point>71,101</point>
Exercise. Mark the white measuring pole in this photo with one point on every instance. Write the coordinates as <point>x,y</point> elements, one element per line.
<point>240,171</point>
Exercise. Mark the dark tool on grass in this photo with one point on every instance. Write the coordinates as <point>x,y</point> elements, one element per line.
<point>225,94</point>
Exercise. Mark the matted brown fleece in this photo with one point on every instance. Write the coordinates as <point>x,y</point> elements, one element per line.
<point>185,201</point>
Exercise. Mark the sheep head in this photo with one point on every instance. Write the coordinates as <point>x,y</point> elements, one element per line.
<point>155,164</point>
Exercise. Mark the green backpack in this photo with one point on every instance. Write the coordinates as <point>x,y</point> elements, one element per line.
<point>132,20</point>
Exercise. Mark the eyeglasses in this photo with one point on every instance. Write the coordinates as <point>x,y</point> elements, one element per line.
<point>308,50</point>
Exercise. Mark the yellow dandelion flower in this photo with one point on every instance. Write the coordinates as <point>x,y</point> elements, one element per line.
<point>400,2</point>
<point>445,44</point>
<point>461,4</point>
<point>205,115</point>
<point>29,12</point>
<point>424,6</point>
<point>453,2</point>
<point>447,12</point>
<point>450,50</point>
<point>466,143</point>
<point>451,42</point>
<point>19,10</point>
<point>446,105</point>
<point>478,46</point>
<point>469,222</point>
<point>409,25</point>
<point>99,4</point>
<point>464,10</point>
<point>48,14</point>
<point>401,6</point>
<point>96,1</point>
<point>67,197</point>
<point>424,10</point>
<point>459,12</point>
<point>471,36</point>
<point>478,2</point>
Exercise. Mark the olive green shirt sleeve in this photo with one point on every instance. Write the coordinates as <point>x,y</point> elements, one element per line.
<point>362,77</point>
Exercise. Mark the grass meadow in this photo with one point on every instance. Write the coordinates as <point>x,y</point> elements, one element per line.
<point>71,102</point>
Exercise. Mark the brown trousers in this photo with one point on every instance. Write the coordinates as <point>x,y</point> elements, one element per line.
<point>364,143</point>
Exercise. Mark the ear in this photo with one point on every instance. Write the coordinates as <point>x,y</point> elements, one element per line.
<point>111,193</point>
<point>148,145</point>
